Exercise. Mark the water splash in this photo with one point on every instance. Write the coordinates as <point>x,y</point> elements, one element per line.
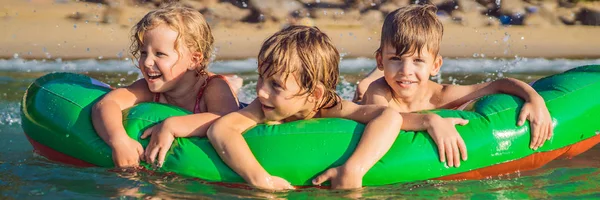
<point>10,114</point>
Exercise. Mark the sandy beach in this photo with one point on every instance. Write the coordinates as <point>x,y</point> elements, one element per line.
<point>41,29</point>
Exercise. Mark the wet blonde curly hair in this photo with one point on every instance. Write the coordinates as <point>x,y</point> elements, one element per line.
<point>193,31</point>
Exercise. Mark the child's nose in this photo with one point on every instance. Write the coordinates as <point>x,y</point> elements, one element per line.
<point>148,62</point>
<point>261,92</point>
<point>406,69</point>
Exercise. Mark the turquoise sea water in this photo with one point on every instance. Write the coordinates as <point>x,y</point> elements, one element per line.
<point>24,175</point>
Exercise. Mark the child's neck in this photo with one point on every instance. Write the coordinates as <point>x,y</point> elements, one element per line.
<point>185,93</point>
<point>310,111</point>
<point>422,100</point>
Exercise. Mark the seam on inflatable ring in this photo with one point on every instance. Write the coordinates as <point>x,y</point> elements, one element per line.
<point>62,97</point>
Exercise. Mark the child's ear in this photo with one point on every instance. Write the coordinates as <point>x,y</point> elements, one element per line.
<point>317,93</point>
<point>197,59</point>
<point>437,64</point>
<point>379,60</point>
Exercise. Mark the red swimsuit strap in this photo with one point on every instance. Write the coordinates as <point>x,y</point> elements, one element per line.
<point>200,92</point>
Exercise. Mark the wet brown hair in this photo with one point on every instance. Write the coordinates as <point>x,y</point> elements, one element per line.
<point>410,28</point>
<point>307,53</point>
<point>192,29</point>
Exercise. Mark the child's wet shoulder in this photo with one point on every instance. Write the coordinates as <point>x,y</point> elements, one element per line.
<point>378,87</point>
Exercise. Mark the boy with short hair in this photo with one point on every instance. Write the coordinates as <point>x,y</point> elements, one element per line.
<point>409,55</point>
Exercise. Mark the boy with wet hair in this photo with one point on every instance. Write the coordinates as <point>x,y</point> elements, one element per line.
<point>408,56</point>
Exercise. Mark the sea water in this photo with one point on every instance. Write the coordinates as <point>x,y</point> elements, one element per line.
<point>24,175</point>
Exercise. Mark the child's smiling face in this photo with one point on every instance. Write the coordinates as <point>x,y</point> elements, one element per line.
<point>407,74</point>
<point>161,64</point>
<point>280,97</point>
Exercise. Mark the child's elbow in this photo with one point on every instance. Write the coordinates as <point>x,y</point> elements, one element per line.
<point>393,116</point>
<point>213,132</point>
<point>97,108</point>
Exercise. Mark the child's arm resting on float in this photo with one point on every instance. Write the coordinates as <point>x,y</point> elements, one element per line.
<point>383,126</point>
<point>448,142</point>
<point>226,137</point>
<point>220,101</point>
<point>534,109</point>
<point>107,119</point>
<point>164,133</point>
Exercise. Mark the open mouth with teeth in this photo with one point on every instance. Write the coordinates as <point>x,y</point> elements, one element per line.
<point>405,84</point>
<point>154,75</point>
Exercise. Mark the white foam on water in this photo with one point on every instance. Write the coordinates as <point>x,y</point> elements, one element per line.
<point>70,65</point>
<point>352,65</point>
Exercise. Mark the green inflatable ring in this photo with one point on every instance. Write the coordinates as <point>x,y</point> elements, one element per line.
<point>56,119</point>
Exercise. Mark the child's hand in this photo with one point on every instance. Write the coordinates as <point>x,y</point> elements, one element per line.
<point>540,121</point>
<point>447,139</point>
<point>340,177</point>
<point>126,152</point>
<point>160,143</point>
<point>272,183</point>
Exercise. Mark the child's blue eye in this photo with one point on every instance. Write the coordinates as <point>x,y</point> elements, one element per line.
<point>395,58</point>
<point>419,60</point>
<point>143,53</point>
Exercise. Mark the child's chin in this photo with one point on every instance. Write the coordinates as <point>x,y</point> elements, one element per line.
<point>271,118</point>
<point>405,93</point>
<point>154,89</point>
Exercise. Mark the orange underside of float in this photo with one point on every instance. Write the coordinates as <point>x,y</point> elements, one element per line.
<point>530,162</point>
